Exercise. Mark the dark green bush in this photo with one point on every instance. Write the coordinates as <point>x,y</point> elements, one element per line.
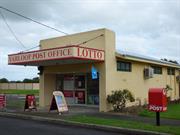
<point>119,98</point>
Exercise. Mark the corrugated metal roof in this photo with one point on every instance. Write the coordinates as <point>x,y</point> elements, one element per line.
<point>143,57</point>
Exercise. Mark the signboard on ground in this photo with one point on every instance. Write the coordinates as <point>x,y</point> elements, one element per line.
<point>58,102</point>
<point>2,101</point>
<point>30,103</point>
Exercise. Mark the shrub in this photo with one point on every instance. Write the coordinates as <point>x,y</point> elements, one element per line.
<point>119,98</point>
<point>168,88</point>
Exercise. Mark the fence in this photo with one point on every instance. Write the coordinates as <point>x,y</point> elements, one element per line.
<point>19,86</point>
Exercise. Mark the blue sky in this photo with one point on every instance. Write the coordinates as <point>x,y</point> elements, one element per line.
<point>146,27</point>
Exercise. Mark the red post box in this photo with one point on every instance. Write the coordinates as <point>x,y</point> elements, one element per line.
<point>157,100</point>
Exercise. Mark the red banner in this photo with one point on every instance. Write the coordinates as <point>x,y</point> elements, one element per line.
<point>68,93</point>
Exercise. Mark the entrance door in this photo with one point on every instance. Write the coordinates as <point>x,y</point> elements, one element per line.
<point>92,90</point>
<point>68,88</point>
<point>80,88</point>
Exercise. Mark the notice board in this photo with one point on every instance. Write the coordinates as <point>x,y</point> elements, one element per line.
<point>58,102</point>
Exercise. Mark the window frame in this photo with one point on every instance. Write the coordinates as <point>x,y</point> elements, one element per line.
<point>171,71</point>
<point>157,69</point>
<point>127,66</point>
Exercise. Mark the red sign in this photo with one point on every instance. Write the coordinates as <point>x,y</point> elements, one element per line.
<point>157,100</point>
<point>30,102</point>
<point>2,101</point>
<point>80,96</point>
<point>90,53</point>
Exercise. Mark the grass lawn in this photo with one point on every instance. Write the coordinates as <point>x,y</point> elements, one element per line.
<point>124,124</point>
<point>173,112</point>
<point>20,92</point>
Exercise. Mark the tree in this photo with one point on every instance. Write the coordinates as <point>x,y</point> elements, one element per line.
<point>26,80</point>
<point>168,88</point>
<point>4,80</point>
<point>18,81</point>
<point>35,80</point>
<point>119,98</point>
<point>172,61</point>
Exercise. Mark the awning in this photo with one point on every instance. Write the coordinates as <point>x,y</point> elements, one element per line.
<point>57,56</point>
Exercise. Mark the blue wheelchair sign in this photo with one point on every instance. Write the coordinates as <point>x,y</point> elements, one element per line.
<point>94,73</point>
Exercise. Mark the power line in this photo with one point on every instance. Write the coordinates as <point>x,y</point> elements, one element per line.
<point>82,43</point>
<point>12,32</point>
<point>30,48</point>
<point>42,25</point>
<point>28,18</point>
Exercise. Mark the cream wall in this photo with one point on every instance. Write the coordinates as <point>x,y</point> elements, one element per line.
<point>47,86</point>
<point>76,39</point>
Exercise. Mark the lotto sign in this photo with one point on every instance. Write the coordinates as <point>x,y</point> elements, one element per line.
<point>2,101</point>
<point>157,100</point>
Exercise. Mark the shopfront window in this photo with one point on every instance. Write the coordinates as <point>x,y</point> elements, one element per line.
<point>79,88</point>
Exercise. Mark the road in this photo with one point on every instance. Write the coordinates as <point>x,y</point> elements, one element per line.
<point>10,126</point>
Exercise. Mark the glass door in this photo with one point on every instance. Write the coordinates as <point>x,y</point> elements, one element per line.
<point>92,90</point>
<point>68,88</point>
<point>80,89</point>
